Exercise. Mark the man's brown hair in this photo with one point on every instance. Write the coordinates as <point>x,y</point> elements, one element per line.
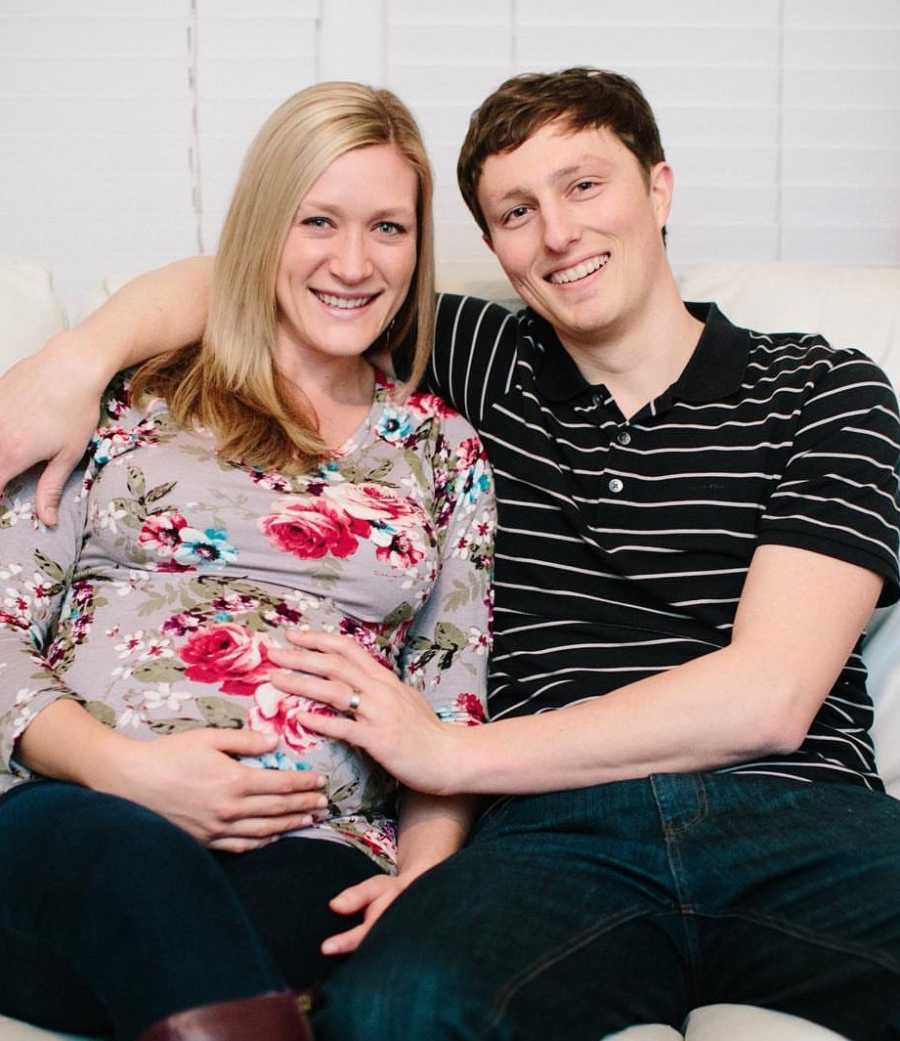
<point>579,97</point>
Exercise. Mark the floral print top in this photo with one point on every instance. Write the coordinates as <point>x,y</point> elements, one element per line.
<point>171,572</point>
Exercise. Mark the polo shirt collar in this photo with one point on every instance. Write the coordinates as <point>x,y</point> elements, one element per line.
<point>714,371</point>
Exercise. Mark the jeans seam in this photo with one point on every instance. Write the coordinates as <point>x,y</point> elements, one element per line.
<point>671,833</point>
<point>526,976</point>
<point>495,811</point>
<point>701,813</point>
<point>808,936</point>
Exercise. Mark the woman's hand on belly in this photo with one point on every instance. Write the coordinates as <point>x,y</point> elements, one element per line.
<point>193,780</point>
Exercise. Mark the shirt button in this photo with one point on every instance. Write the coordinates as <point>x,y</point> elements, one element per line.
<point>623,437</point>
<point>615,486</point>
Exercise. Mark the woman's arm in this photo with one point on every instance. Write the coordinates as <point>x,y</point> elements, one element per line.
<point>431,829</point>
<point>49,402</point>
<point>46,727</point>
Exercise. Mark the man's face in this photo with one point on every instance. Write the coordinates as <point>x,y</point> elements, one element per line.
<point>577,229</point>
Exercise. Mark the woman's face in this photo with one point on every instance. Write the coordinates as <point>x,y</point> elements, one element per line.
<point>349,257</point>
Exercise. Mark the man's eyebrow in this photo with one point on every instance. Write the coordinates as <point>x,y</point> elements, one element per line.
<point>565,171</point>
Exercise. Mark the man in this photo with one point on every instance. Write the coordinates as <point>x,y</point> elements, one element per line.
<point>695,523</point>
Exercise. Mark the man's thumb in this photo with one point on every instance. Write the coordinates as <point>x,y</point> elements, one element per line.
<point>50,487</point>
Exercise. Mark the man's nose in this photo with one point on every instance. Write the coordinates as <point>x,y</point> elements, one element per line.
<point>560,228</point>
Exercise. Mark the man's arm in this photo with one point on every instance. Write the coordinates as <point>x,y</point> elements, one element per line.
<point>49,402</point>
<point>799,618</point>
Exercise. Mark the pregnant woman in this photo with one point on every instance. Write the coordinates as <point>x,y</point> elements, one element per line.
<point>179,843</point>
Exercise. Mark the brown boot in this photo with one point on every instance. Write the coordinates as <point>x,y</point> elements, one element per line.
<point>268,1017</point>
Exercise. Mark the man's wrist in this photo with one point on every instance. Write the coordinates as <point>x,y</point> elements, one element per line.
<point>463,748</point>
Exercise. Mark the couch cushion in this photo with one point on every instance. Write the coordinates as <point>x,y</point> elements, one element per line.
<point>16,1030</point>
<point>746,1023</point>
<point>850,306</point>
<point>29,309</point>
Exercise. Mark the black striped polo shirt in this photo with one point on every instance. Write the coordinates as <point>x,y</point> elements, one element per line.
<point>623,545</point>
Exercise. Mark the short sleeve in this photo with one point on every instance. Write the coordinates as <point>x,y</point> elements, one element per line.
<point>838,494</point>
<point>474,353</point>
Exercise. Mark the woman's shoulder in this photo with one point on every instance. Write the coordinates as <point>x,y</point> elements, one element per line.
<point>409,415</point>
<point>124,423</point>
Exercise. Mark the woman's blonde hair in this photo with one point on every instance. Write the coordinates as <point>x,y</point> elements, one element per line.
<point>228,383</point>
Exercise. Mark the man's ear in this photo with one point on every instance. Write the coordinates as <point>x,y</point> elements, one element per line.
<point>662,184</point>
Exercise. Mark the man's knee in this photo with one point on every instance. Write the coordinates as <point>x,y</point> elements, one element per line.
<point>393,994</point>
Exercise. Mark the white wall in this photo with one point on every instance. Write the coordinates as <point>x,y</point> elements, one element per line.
<point>122,123</point>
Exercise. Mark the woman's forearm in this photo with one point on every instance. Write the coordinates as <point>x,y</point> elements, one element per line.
<point>66,743</point>
<point>431,829</point>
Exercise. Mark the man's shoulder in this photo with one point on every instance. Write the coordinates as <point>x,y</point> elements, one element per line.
<point>810,360</point>
<point>458,307</point>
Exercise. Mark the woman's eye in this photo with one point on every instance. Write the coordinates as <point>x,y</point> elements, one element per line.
<point>584,186</point>
<point>316,222</point>
<point>389,227</point>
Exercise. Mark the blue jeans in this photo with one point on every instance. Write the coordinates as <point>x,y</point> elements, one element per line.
<point>578,913</point>
<point>112,918</point>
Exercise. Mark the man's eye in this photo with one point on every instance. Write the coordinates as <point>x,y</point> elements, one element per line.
<point>516,213</point>
<point>584,186</point>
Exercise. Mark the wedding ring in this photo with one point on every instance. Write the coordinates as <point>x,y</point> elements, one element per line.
<point>354,701</point>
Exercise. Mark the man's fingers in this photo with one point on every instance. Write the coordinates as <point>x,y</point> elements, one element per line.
<point>50,486</point>
<point>339,727</point>
<point>330,643</point>
<point>326,666</point>
<point>335,693</point>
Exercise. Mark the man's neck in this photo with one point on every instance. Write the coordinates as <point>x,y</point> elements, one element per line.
<point>643,357</point>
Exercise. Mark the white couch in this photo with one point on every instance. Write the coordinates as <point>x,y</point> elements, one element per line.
<point>855,306</point>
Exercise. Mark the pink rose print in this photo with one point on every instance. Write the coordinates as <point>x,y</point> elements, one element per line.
<point>161,533</point>
<point>368,502</point>
<point>229,655</point>
<point>430,405</point>
<point>469,452</point>
<point>274,712</point>
<point>471,706</point>
<point>401,552</point>
<point>311,530</point>
<point>381,844</point>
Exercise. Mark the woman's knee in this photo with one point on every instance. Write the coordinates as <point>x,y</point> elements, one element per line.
<point>88,847</point>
